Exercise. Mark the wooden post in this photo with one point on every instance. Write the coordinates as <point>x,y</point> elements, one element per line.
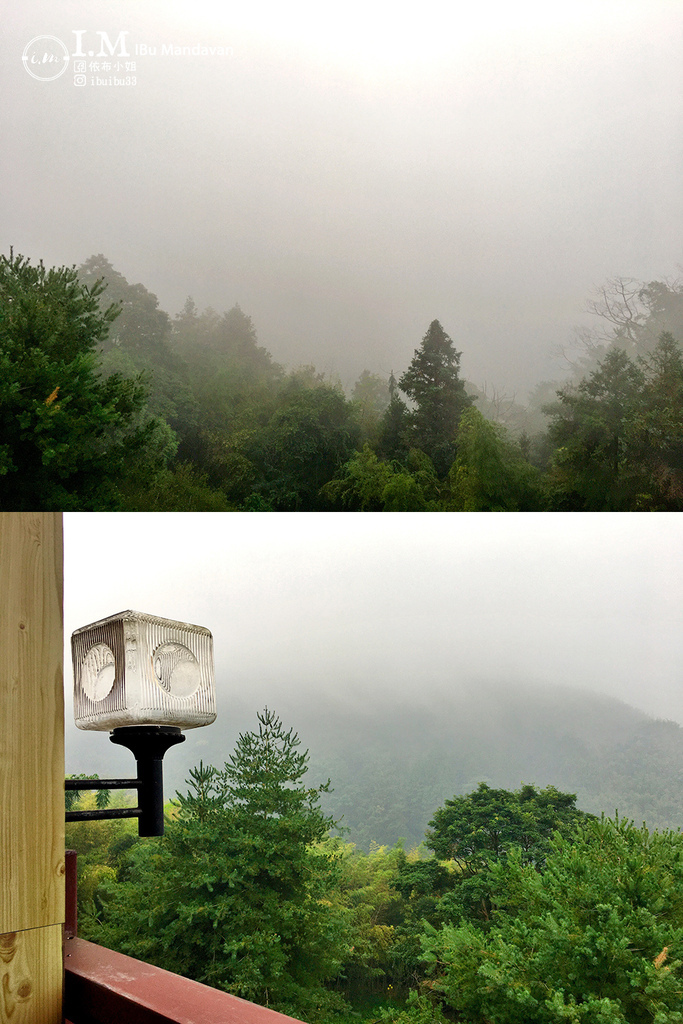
<point>31,768</point>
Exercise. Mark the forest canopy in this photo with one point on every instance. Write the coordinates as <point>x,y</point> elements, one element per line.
<point>110,403</point>
<point>519,908</point>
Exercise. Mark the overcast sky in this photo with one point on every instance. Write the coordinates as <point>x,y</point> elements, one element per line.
<point>350,171</point>
<point>396,607</point>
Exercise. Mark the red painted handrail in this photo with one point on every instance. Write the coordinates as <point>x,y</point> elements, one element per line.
<point>71,895</point>
<point>104,987</point>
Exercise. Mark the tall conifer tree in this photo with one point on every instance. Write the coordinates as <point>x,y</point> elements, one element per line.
<point>432,382</point>
<point>392,439</point>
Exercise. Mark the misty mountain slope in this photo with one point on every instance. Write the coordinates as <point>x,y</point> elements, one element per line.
<point>392,764</point>
<point>393,761</point>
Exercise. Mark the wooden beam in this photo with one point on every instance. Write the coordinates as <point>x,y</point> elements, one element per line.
<point>31,976</point>
<point>31,763</point>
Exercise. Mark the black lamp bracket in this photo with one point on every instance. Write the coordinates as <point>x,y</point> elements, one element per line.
<point>148,744</point>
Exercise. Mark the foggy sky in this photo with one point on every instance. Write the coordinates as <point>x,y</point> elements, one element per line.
<point>395,608</point>
<point>355,171</point>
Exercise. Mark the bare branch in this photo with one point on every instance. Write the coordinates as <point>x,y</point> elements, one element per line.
<point>620,302</point>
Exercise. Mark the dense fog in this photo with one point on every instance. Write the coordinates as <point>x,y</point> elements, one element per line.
<point>348,173</point>
<point>379,611</point>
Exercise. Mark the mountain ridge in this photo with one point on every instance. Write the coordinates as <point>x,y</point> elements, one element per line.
<point>392,760</point>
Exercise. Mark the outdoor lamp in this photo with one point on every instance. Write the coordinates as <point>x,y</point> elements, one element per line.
<point>144,678</point>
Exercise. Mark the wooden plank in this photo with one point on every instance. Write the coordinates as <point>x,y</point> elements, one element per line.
<point>31,722</point>
<point>31,976</point>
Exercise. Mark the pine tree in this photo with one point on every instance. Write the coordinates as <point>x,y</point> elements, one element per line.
<point>70,439</point>
<point>234,893</point>
<point>433,383</point>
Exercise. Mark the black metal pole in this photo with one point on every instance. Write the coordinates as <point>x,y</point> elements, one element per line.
<point>148,744</point>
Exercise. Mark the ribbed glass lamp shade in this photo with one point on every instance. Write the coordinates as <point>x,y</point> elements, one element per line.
<point>138,669</point>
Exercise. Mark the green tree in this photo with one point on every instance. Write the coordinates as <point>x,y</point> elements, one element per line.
<point>371,398</point>
<point>212,339</point>
<point>594,466</point>
<point>392,435</point>
<point>433,384</point>
<point>490,473</point>
<point>139,342</point>
<point>234,384</point>
<point>177,489</point>
<point>489,822</point>
<point>593,937</point>
<point>657,430</point>
<point>102,847</point>
<point>413,486</point>
<point>309,437</point>
<point>365,889</point>
<point>234,894</point>
<point>360,483</point>
<point>424,886</point>
<point>69,438</point>
<point>367,484</point>
<point>140,325</point>
<point>483,827</point>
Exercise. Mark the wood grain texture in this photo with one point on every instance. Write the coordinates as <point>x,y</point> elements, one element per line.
<point>31,976</point>
<point>31,721</point>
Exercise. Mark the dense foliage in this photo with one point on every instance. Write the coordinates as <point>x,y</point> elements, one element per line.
<point>234,894</point>
<point>488,823</point>
<point>582,917</point>
<point>110,403</point>
<point>595,936</point>
<point>69,438</point>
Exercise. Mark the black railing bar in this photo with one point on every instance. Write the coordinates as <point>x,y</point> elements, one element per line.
<point>104,815</point>
<point>76,784</point>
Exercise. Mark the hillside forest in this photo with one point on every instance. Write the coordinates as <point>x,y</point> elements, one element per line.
<point>109,403</point>
<point>518,906</point>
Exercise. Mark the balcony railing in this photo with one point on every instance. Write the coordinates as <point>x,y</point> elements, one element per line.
<point>104,987</point>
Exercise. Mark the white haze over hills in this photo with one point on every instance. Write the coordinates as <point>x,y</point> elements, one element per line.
<point>386,610</point>
<point>351,171</point>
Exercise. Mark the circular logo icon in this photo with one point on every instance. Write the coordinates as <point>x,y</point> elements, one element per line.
<point>45,58</point>
<point>176,669</point>
<point>98,672</point>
